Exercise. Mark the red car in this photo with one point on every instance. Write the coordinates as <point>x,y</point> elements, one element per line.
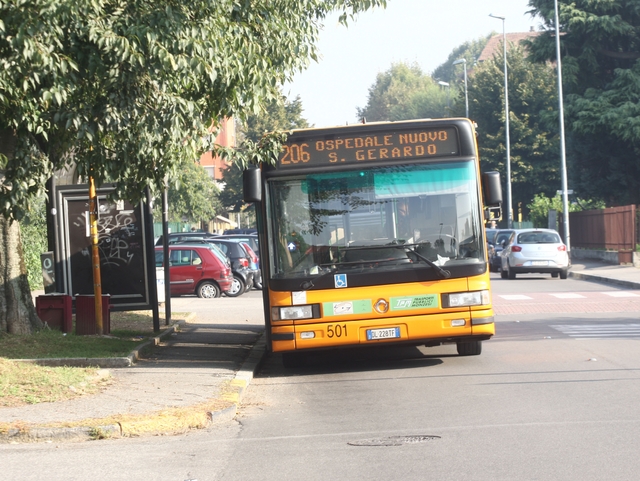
<point>197,269</point>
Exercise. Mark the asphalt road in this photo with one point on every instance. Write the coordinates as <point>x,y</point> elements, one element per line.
<point>552,397</point>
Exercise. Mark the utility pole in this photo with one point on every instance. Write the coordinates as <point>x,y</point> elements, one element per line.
<point>95,255</point>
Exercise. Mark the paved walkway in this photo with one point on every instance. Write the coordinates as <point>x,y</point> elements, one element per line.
<point>202,367</point>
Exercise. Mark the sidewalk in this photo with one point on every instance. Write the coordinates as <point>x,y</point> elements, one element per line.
<point>195,376</point>
<point>621,276</point>
<point>201,368</point>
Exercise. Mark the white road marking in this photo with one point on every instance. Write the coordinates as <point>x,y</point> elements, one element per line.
<point>567,295</point>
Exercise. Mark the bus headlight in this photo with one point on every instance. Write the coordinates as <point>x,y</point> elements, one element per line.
<point>464,299</point>
<point>295,312</point>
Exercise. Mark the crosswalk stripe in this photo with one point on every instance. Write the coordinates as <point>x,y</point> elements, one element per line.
<point>567,295</point>
<point>620,294</point>
<point>515,297</point>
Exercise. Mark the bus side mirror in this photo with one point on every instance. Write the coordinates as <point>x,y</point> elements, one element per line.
<point>252,185</point>
<point>492,189</point>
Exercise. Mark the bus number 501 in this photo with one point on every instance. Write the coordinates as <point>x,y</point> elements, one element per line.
<point>336,330</point>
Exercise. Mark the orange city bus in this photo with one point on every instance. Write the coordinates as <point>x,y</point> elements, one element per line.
<point>373,234</point>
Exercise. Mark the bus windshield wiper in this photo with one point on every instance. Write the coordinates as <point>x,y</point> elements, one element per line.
<point>333,267</point>
<point>445,274</point>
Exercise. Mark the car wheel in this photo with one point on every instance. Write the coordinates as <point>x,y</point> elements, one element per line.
<point>554,274</point>
<point>237,287</point>
<point>563,274</point>
<point>208,290</point>
<point>503,274</point>
<point>510,274</point>
<point>469,348</point>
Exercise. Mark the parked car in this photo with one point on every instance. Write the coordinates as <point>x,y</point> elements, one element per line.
<point>196,269</point>
<point>491,233</point>
<point>254,262</point>
<point>241,231</point>
<point>240,265</point>
<point>182,237</point>
<point>499,240</point>
<point>534,250</point>
<point>252,241</point>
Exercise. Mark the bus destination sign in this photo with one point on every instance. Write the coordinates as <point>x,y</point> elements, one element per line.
<point>367,147</point>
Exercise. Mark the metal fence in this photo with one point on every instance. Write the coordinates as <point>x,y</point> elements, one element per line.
<point>614,228</point>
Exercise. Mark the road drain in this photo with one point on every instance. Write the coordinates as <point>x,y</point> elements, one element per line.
<point>393,440</point>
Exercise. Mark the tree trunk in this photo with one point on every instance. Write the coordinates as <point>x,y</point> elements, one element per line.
<point>17,312</point>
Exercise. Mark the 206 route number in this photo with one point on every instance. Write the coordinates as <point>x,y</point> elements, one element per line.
<point>336,330</point>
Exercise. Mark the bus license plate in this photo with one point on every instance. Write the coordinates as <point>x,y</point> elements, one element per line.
<point>388,333</point>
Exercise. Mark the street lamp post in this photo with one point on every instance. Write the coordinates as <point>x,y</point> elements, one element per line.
<point>565,191</point>
<point>506,121</point>
<point>446,84</point>
<point>466,94</point>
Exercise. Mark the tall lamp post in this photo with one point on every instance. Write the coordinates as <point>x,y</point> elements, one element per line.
<point>446,85</point>
<point>466,93</point>
<point>565,192</point>
<point>506,121</point>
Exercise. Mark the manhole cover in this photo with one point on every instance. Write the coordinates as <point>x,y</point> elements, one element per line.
<point>394,440</point>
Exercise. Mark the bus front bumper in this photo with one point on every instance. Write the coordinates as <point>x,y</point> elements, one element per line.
<point>427,330</point>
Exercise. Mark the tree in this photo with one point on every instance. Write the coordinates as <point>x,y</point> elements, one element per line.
<point>125,90</point>
<point>534,150</point>
<point>278,115</point>
<point>193,195</point>
<point>600,51</point>
<point>17,313</point>
<point>469,51</point>
<point>404,92</point>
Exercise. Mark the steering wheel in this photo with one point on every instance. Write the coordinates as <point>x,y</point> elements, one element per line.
<point>442,241</point>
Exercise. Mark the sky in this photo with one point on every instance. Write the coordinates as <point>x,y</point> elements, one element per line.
<point>412,31</point>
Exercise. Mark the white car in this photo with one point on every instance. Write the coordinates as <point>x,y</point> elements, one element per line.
<point>534,250</point>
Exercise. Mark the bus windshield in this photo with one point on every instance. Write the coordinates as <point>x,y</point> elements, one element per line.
<point>379,218</point>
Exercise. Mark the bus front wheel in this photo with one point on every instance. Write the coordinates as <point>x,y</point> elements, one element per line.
<point>469,348</point>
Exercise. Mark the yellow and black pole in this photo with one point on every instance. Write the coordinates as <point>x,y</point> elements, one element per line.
<point>95,254</point>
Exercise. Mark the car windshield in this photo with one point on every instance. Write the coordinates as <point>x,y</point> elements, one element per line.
<point>391,217</point>
<point>539,238</point>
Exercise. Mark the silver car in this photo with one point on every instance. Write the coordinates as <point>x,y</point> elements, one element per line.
<point>534,250</point>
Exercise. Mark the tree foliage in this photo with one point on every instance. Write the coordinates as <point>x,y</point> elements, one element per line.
<point>279,115</point>
<point>541,205</point>
<point>193,195</point>
<point>600,48</point>
<point>34,229</point>
<point>126,89</point>
<point>404,92</point>
<point>534,147</point>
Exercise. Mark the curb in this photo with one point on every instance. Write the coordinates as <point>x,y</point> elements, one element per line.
<point>237,388</point>
<point>241,381</point>
<point>605,280</point>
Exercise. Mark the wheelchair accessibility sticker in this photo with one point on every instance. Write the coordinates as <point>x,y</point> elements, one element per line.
<point>340,280</point>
